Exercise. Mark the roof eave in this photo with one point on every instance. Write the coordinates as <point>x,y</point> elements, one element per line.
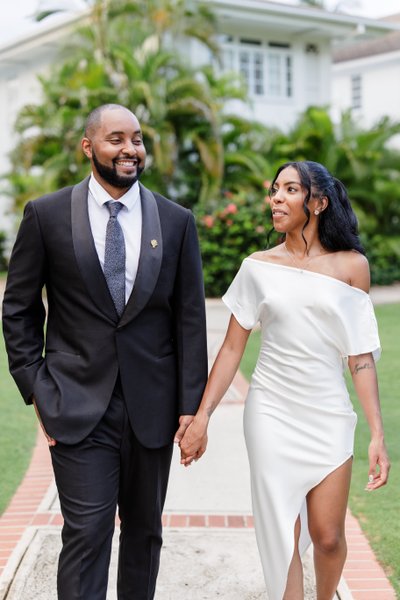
<point>347,23</point>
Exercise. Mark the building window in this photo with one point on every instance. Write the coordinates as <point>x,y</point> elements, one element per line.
<point>251,67</point>
<point>289,77</point>
<point>267,68</point>
<point>356,91</point>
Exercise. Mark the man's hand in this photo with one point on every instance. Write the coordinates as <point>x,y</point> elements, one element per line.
<point>51,441</point>
<point>184,422</point>
<point>194,442</point>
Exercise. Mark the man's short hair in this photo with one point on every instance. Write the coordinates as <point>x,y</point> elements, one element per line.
<point>93,121</point>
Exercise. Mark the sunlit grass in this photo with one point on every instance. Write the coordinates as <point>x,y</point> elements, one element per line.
<point>18,433</point>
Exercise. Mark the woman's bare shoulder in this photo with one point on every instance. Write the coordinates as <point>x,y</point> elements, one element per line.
<point>357,268</point>
<point>271,255</point>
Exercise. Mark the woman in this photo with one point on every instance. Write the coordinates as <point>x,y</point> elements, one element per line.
<point>310,295</point>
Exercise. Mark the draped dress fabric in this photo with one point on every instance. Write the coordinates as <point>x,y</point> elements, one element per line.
<point>298,420</point>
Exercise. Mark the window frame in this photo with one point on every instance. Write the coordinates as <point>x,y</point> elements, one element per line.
<point>356,90</point>
<point>265,81</point>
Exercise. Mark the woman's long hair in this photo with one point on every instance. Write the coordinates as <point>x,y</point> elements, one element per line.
<point>338,226</point>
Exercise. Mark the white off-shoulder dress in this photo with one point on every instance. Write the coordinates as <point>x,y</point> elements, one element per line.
<point>298,420</point>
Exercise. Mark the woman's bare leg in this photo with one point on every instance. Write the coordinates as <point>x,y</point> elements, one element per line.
<point>326,505</point>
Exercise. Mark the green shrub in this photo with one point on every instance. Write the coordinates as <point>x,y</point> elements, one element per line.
<point>384,257</point>
<point>240,226</point>
<point>228,234</point>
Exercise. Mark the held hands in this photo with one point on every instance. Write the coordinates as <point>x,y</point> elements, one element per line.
<point>192,438</point>
<point>379,464</point>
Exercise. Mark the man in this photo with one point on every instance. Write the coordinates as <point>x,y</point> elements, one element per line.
<point>125,359</point>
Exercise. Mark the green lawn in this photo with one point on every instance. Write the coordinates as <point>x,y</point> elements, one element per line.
<point>378,512</point>
<point>18,433</point>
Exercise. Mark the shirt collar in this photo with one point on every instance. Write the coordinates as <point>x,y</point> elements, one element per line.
<point>101,196</point>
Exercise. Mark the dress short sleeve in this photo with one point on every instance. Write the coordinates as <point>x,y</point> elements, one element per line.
<point>360,328</point>
<point>243,297</point>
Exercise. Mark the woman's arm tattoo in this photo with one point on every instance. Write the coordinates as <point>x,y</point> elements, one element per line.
<point>361,367</point>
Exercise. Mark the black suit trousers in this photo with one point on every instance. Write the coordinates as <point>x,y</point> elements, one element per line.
<point>110,468</point>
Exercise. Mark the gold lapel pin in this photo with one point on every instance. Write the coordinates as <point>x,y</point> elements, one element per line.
<point>154,243</point>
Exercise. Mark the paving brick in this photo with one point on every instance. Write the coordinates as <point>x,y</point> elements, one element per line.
<point>368,583</point>
<point>197,521</point>
<point>236,521</point>
<point>373,595</point>
<point>41,519</point>
<point>178,520</point>
<point>217,521</point>
<point>57,520</point>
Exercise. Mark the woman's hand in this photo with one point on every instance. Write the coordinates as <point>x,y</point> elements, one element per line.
<point>379,464</point>
<point>194,442</point>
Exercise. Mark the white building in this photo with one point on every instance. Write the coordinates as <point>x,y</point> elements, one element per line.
<point>284,53</point>
<point>366,78</point>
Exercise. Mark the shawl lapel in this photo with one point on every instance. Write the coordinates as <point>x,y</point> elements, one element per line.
<point>151,253</point>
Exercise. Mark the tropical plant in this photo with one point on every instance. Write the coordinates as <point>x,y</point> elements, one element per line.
<point>338,6</point>
<point>128,53</point>
<point>362,159</point>
<point>3,260</point>
<point>369,167</point>
<point>313,3</point>
<point>229,233</point>
<point>198,153</point>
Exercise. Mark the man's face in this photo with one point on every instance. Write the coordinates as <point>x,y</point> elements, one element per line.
<point>116,150</point>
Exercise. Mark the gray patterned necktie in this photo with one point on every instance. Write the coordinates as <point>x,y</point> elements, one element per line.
<point>114,257</point>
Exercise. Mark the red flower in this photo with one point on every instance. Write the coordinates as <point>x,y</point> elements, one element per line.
<point>208,221</point>
<point>231,209</point>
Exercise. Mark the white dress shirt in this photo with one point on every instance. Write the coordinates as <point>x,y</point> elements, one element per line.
<point>130,219</point>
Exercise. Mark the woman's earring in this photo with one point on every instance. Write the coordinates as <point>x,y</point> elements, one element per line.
<point>316,212</point>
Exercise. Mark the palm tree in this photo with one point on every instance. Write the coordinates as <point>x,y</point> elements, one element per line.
<point>336,8</point>
<point>122,55</point>
<point>47,8</point>
<point>313,3</point>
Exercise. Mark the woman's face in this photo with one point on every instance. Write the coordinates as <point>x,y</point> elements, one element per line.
<point>287,201</point>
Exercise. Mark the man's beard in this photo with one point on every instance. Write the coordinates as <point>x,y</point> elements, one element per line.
<point>110,174</point>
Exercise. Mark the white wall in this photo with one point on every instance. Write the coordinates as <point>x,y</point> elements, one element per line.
<point>311,79</point>
<point>16,90</point>
<point>21,63</point>
<point>380,77</point>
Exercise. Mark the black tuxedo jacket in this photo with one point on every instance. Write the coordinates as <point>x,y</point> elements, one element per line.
<point>70,363</point>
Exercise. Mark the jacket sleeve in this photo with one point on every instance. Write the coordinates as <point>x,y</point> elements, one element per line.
<point>23,309</point>
<point>190,323</point>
